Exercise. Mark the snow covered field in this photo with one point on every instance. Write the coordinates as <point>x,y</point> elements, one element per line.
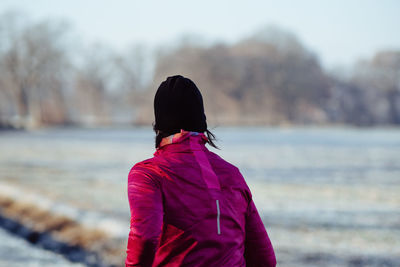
<point>328,196</point>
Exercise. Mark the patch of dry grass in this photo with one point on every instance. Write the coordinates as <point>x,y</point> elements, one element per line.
<point>62,228</point>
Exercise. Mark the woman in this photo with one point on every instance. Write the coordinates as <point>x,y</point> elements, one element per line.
<point>189,207</point>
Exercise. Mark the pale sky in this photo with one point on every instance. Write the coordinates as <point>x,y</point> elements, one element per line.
<point>339,31</point>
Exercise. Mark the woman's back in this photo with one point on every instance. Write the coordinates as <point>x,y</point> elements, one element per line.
<point>190,207</point>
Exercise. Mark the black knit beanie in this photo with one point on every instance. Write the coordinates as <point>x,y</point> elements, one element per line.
<point>178,104</point>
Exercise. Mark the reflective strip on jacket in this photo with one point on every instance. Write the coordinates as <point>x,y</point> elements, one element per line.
<point>189,207</point>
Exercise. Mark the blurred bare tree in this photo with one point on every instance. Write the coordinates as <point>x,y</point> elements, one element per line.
<point>267,78</point>
<point>108,86</point>
<point>33,63</point>
<point>380,80</point>
<point>91,85</point>
<point>371,95</point>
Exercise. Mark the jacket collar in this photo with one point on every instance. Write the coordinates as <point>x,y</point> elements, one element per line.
<point>180,138</point>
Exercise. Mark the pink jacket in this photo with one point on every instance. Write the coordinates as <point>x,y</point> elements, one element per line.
<point>189,207</point>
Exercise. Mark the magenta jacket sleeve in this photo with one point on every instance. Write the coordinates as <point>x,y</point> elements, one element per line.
<point>146,207</point>
<point>258,247</point>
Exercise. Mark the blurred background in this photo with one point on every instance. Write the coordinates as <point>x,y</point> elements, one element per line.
<point>303,96</point>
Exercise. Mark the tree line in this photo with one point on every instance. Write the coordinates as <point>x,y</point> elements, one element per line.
<point>47,77</point>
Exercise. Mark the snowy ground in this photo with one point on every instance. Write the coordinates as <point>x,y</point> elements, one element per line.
<point>16,252</point>
<point>328,197</point>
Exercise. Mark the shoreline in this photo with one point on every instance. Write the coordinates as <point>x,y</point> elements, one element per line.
<point>59,234</point>
<point>44,240</point>
<point>212,126</point>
